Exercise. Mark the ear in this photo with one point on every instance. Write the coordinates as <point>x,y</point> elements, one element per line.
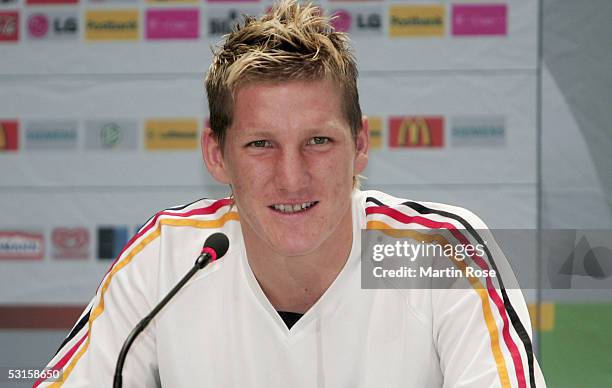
<point>213,157</point>
<point>362,144</point>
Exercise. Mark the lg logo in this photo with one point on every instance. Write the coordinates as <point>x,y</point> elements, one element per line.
<point>369,21</point>
<point>68,25</point>
<point>357,20</point>
<point>42,25</point>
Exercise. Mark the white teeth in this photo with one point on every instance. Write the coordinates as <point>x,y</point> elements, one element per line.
<point>293,208</point>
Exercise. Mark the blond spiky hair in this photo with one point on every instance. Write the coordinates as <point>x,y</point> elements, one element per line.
<point>290,42</point>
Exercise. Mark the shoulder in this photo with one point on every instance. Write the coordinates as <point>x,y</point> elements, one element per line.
<point>179,231</point>
<point>398,213</point>
<point>201,210</point>
<point>203,214</point>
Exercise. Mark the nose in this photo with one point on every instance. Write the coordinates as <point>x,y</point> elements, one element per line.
<point>291,175</point>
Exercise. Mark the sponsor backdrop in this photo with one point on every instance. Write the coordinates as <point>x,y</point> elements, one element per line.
<point>102,106</point>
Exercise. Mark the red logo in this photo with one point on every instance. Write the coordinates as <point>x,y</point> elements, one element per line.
<point>480,19</point>
<point>38,25</point>
<point>341,20</point>
<point>46,2</point>
<point>416,132</point>
<point>70,243</point>
<point>17,245</point>
<point>9,136</point>
<point>9,26</point>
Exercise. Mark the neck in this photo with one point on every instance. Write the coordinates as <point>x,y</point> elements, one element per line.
<point>296,283</point>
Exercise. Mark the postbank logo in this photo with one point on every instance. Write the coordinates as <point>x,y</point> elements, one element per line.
<point>52,25</point>
<point>416,132</point>
<point>112,25</point>
<point>180,134</point>
<point>21,244</point>
<point>375,124</point>
<point>173,24</point>
<point>9,136</point>
<point>479,19</point>
<point>9,26</point>
<point>70,243</point>
<point>416,20</point>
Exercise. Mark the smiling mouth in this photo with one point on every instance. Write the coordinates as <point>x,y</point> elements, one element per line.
<point>293,208</point>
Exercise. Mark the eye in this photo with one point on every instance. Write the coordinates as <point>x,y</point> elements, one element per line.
<point>318,140</point>
<point>260,144</point>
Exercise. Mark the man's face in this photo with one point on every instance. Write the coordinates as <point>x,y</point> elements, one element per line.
<point>290,158</point>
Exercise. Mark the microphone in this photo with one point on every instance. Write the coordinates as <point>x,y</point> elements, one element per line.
<point>215,246</point>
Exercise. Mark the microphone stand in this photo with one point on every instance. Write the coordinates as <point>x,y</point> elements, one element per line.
<point>201,262</point>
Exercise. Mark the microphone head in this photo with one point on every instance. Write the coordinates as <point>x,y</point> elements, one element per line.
<point>217,242</point>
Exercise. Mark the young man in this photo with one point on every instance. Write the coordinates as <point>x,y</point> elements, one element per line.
<point>285,307</point>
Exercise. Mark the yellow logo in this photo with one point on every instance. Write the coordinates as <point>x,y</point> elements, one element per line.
<point>2,137</point>
<point>416,20</point>
<point>375,125</point>
<point>180,134</point>
<point>414,132</point>
<point>112,25</point>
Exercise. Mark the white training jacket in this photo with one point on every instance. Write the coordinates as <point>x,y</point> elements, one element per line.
<point>220,330</point>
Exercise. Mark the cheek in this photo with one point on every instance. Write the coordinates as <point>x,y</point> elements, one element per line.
<point>246,173</point>
<point>335,169</point>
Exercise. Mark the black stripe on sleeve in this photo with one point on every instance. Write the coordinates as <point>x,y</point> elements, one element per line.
<point>179,207</point>
<point>514,318</point>
<point>77,328</point>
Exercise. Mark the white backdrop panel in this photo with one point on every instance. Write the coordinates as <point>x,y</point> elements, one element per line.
<point>376,50</point>
<point>453,97</point>
<point>73,281</point>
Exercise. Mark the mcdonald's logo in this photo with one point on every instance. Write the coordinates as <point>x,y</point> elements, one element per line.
<point>416,132</point>
<point>8,136</point>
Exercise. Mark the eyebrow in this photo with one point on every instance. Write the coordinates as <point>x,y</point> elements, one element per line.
<point>310,131</point>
